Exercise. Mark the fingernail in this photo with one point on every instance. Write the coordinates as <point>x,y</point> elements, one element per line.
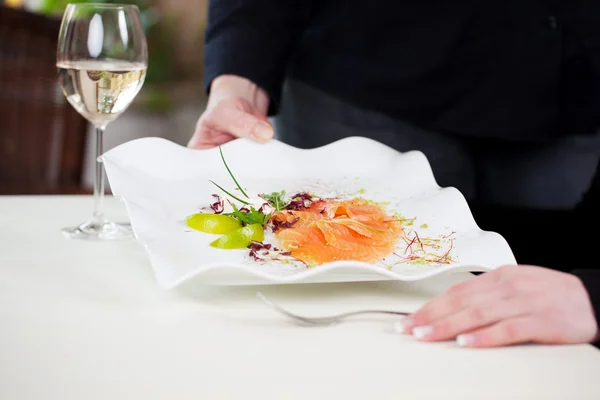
<point>421,332</point>
<point>399,327</point>
<point>263,131</point>
<point>403,326</point>
<point>465,340</point>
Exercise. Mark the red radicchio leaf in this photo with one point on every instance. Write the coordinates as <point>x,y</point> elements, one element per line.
<point>284,225</point>
<point>218,206</point>
<point>300,201</point>
<point>263,251</point>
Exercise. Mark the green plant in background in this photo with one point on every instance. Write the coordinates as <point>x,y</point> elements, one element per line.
<point>57,7</point>
<point>160,36</point>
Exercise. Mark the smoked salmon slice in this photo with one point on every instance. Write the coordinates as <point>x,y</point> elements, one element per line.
<point>333,230</point>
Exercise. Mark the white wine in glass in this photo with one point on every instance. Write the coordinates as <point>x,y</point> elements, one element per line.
<point>102,59</point>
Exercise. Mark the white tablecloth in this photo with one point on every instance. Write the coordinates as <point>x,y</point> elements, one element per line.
<point>85,320</point>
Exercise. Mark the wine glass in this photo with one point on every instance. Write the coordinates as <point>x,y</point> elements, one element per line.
<point>102,58</point>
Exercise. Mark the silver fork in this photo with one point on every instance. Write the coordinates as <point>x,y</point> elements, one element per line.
<point>323,321</point>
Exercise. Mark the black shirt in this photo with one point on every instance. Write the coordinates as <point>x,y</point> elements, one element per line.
<point>514,69</point>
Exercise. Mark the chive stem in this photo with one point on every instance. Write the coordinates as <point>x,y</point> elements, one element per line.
<point>240,200</point>
<point>231,174</point>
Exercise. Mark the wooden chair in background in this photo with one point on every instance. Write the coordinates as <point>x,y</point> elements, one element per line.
<point>42,138</point>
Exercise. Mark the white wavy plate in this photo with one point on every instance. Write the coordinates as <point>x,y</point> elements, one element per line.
<point>162,182</point>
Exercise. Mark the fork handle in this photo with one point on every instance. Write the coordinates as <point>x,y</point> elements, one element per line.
<point>350,314</point>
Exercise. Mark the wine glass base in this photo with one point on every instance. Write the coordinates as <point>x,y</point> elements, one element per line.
<point>99,230</point>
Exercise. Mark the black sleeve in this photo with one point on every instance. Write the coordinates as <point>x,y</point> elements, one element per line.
<point>587,209</point>
<point>591,281</point>
<point>588,217</point>
<point>253,39</point>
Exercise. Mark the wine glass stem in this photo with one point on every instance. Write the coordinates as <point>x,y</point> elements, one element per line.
<point>99,177</point>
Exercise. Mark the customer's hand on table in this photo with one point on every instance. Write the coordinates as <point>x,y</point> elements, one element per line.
<point>236,108</point>
<point>510,305</point>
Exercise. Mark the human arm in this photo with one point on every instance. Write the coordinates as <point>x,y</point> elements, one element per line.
<point>510,305</point>
<point>517,304</point>
<point>247,48</point>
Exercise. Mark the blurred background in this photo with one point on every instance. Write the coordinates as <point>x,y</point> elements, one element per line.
<point>40,136</point>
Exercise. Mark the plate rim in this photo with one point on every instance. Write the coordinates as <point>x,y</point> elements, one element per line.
<point>306,274</point>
